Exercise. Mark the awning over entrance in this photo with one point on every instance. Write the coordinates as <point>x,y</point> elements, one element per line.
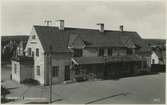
<point>100,60</point>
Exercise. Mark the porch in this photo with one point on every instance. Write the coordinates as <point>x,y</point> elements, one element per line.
<point>107,67</point>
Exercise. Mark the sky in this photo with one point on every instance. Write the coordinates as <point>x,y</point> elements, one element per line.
<point>148,18</point>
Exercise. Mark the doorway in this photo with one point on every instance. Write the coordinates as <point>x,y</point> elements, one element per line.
<point>67,73</point>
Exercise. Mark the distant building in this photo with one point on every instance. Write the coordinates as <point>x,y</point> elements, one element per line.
<point>81,53</point>
<point>158,47</point>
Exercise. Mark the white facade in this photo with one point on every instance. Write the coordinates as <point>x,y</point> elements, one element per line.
<point>154,58</point>
<point>16,71</point>
<point>20,71</point>
<point>42,61</point>
<point>34,43</point>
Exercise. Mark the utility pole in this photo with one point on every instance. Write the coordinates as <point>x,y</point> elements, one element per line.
<point>50,66</point>
<point>50,74</point>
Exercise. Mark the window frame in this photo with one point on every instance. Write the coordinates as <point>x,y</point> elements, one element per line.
<point>78,52</point>
<point>29,51</point>
<point>153,61</point>
<point>38,70</point>
<point>101,51</point>
<point>15,68</point>
<point>110,51</point>
<point>55,71</point>
<point>37,52</point>
<point>33,37</point>
<point>129,51</point>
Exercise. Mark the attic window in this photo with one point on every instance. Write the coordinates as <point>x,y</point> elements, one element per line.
<point>33,37</point>
<point>78,52</point>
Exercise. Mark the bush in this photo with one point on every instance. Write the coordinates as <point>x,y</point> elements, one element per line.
<point>80,79</point>
<point>30,82</point>
<point>4,92</point>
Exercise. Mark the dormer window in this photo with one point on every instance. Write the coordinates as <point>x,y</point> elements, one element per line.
<point>33,37</point>
<point>77,52</point>
<point>129,51</point>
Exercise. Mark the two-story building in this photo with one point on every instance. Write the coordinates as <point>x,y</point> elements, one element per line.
<point>88,53</point>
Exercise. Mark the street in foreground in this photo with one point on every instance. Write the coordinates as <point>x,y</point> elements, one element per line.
<point>148,89</point>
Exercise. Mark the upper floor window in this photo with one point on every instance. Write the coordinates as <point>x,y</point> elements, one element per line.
<point>129,51</point>
<point>29,51</point>
<point>55,71</point>
<point>33,37</point>
<point>109,51</point>
<point>38,70</point>
<point>101,52</point>
<point>32,53</point>
<point>37,52</point>
<point>77,52</point>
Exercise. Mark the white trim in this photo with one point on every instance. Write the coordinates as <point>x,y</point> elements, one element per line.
<point>75,61</point>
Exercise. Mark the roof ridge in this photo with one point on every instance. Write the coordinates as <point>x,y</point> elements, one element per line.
<point>93,29</point>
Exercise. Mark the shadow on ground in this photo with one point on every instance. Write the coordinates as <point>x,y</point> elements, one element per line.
<point>117,77</point>
<point>3,101</point>
<point>44,102</point>
<point>104,98</point>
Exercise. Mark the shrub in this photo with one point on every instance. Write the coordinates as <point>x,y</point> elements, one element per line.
<point>30,82</point>
<point>4,92</point>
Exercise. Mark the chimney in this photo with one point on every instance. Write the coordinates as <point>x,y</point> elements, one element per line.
<point>101,28</point>
<point>61,24</point>
<point>121,28</point>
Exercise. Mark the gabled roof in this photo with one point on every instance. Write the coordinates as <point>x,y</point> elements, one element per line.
<point>61,39</point>
<point>52,36</point>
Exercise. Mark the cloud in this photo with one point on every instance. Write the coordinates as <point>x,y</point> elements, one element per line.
<point>147,18</point>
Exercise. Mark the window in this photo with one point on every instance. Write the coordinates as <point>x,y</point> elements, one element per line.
<point>55,71</point>
<point>145,64</point>
<point>15,68</point>
<point>33,37</point>
<point>38,70</point>
<point>153,61</point>
<point>101,52</point>
<point>37,52</point>
<point>29,51</point>
<point>129,51</point>
<point>109,51</point>
<point>77,52</point>
<point>77,70</point>
<point>33,53</point>
<point>67,67</point>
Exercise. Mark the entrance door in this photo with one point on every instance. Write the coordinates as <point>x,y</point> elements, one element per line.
<point>67,73</point>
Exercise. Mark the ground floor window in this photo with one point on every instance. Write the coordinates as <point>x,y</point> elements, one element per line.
<point>145,64</point>
<point>55,71</point>
<point>38,70</point>
<point>77,70</point>
<point>15,68</point>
